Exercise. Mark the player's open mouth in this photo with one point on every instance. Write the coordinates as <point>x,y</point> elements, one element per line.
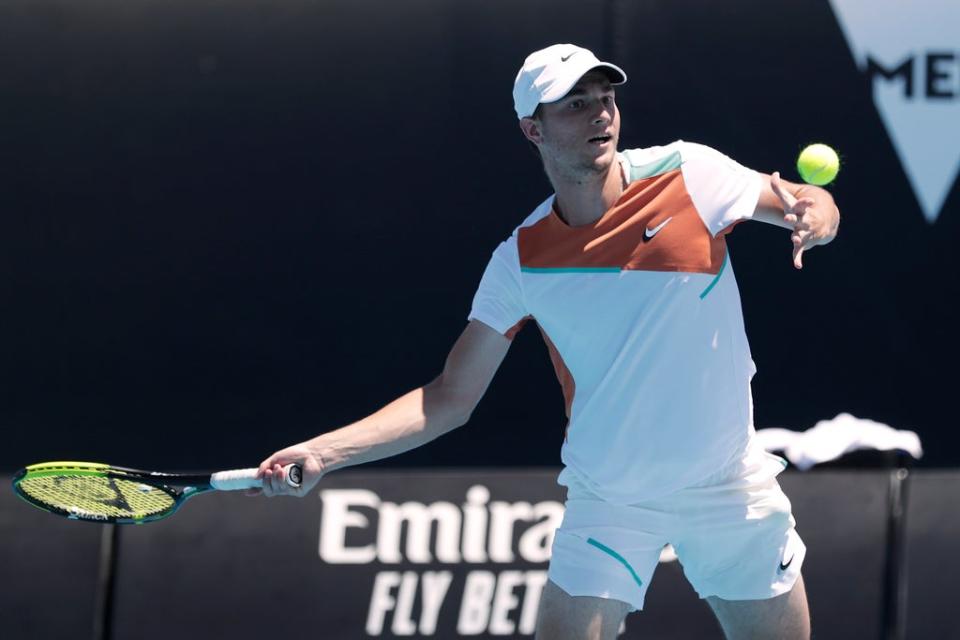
<point>600,139</point>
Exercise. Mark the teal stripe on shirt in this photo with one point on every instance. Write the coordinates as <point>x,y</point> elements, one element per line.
<point>713,283</point>
<point>656,168</point>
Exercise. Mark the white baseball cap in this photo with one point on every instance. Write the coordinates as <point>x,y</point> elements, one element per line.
<point>548,74</point>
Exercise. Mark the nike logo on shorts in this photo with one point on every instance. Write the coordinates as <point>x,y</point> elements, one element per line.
<point>649,233</point>
<point>783,567</point>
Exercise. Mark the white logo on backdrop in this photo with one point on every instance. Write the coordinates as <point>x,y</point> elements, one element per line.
<point>911,51</point>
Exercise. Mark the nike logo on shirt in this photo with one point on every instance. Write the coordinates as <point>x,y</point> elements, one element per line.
<point>649,233</point>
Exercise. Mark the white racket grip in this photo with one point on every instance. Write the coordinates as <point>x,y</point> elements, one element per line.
<point>239,479</point>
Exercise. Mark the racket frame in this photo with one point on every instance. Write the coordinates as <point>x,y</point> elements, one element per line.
<point>180,487</point>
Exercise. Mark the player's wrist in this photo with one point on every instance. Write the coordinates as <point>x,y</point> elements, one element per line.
<point>322,457</point>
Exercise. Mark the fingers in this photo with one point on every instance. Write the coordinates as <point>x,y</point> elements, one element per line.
<point>276,483</point>
<point>273,472</point>
<point>803,238</point>
<point>267,475</point>
<point>799,209</point>
<point>806,228</point>
<point>266,488</point>
<point>267,464</point>
<point>803,216</point>
<point>786,198</point>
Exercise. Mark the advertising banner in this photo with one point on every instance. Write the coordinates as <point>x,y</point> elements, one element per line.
<point>381,554</point>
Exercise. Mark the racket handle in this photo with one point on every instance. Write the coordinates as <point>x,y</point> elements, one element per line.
<point>239,479</point>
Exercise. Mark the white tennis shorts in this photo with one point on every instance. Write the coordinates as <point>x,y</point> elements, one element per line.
<point>733,534</point>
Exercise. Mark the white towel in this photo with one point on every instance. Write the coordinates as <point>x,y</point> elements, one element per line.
<point>830,439</point>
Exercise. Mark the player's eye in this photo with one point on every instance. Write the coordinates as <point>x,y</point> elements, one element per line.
<point>575,104</point>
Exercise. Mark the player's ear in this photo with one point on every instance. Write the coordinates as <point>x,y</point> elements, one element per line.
<point>532,130</point>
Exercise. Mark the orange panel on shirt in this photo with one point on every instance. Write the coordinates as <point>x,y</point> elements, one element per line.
<point>567,383</point>
<point>617,239</point>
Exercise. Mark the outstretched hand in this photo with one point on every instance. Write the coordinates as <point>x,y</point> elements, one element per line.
<point>813,222</point>
<point>274,477</point>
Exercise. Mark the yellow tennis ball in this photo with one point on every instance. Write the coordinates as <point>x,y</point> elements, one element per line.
<point>818,164</point>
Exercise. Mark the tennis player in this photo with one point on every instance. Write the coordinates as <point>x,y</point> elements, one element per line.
<point>626,273</point>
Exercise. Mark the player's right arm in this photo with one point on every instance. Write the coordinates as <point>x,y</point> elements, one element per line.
<point>408,422</point>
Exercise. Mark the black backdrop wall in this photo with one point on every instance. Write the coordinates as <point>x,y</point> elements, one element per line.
<point>244,223</point>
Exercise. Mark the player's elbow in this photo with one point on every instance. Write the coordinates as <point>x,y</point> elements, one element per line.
<point>449,404</point>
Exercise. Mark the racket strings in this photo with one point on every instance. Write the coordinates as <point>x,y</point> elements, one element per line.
<point>98,495</point>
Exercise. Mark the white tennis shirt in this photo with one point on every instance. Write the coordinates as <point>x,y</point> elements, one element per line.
<point>642,317</point>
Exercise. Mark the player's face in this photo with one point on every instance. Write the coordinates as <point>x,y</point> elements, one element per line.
<point>580,131</point>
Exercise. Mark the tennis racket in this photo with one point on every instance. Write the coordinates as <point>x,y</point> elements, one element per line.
<point>104,493</point>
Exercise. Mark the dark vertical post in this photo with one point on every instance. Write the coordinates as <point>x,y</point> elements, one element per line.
<point>103,608</point>
<point>894,612</point>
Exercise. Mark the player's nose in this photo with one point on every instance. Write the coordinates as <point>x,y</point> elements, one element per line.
<point>603,115</point>
<point>602,119</point>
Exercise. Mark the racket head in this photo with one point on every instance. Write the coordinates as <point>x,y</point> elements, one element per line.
<point>96,492</point>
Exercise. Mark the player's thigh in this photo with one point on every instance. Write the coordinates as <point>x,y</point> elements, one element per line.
<point>784,617</point>
<point>566,617</point>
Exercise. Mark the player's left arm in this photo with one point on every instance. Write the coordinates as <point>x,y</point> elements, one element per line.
<point>808,211</point>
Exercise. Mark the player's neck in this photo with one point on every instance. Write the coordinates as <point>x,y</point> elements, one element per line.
<point>583,199</point>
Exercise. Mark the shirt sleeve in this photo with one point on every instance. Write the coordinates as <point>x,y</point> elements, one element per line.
<point>723,191</point>
<point>498,302</point>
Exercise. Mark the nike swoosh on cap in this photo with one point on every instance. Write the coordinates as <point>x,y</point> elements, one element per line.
<point>567,57</point>
<point>649,233</point>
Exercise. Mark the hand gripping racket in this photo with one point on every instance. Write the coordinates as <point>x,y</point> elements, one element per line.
<point>104,493</point>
